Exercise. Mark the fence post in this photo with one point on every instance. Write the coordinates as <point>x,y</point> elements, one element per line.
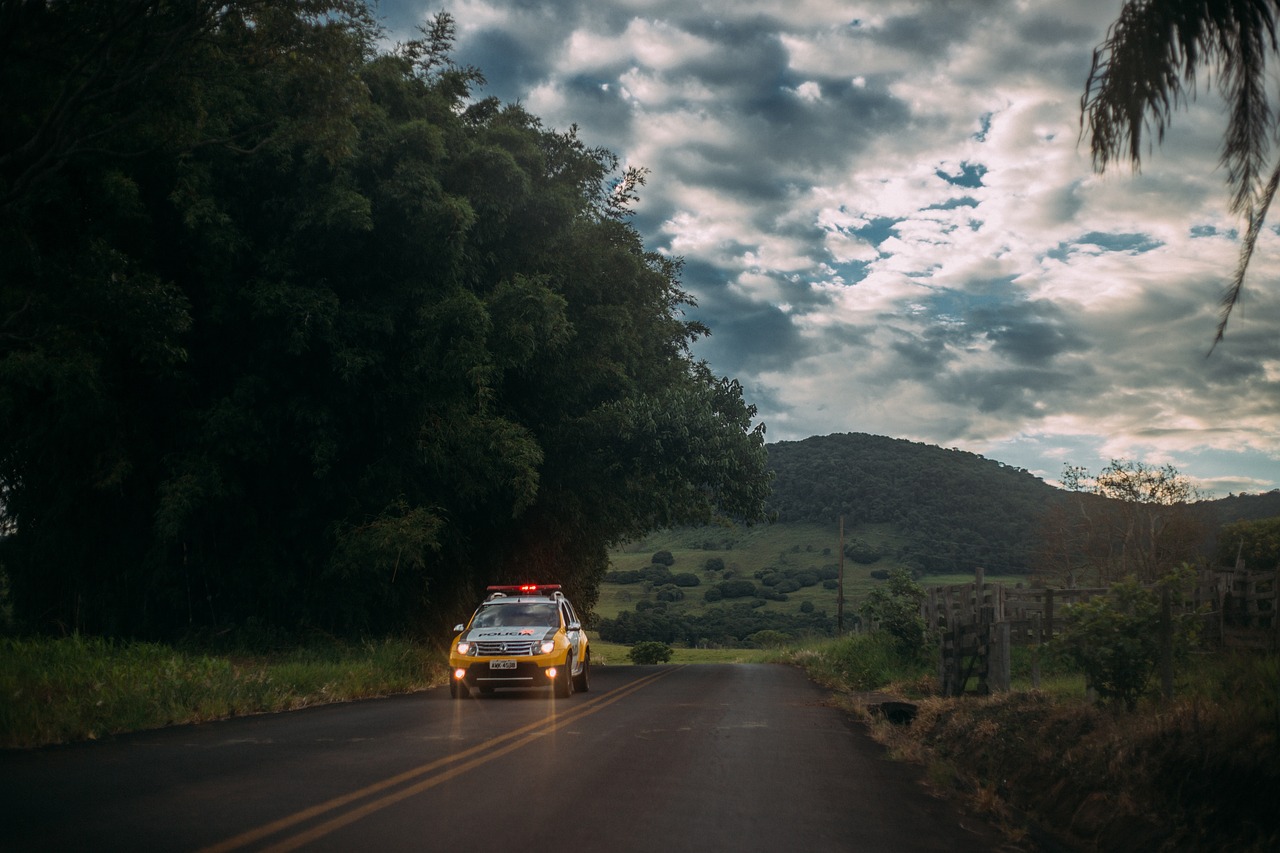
<point>1037,634</point>
<point>1166,644</point>
<point>1048,613</point>
<point>998,664</point>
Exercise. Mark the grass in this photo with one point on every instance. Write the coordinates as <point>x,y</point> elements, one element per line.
<point>748,550</point>
<point>82,688</point>
<point>1198,772</point>
<point>612,654</point>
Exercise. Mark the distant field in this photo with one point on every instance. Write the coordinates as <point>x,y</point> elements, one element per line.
<point>747,550</point>
<point>613,654</point>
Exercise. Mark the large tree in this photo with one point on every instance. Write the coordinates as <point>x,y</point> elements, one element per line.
<point>1150,64</point>
<point>300,332</point>
<point>1131,520</point>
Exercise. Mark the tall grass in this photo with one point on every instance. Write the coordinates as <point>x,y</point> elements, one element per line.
<point>861,662</point>
<point>81,688</point>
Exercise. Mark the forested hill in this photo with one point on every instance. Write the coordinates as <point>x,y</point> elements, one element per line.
<point>942,510</point>
<point>953,510</point>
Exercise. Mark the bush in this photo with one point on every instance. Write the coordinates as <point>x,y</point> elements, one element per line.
<point>714,564</point>
<point>686,579</point>
<point>895,609</point>
<point>713,594</point>
<point>736,588</point>
<point>663,558</point>
<point>649,652</point>
<point>806,607</point>
<point>669,592</point>
<point>1115,638</point>
<point>656,575</point>
<point>624,577</point>
<point>769,638</point>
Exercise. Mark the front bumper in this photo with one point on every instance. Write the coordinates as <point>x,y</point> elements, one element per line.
<point>528,672</point>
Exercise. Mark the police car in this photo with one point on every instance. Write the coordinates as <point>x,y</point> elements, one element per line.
<point>521,636</point>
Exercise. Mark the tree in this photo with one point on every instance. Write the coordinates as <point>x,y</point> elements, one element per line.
<point>310,336</point>
<point>1255,543</point>
<point>895,609</point>
<point>1132,519</point>
<point>1147,67</point>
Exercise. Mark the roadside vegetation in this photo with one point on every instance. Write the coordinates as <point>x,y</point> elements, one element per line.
<point>83,688</point>
<point>1127,770</point>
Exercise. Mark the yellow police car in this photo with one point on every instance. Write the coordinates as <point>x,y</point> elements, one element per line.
<point>521,636</point>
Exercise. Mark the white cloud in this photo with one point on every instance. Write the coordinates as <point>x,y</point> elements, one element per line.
<point>897,229</point>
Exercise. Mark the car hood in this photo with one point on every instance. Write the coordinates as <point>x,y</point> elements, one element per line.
<point>510,633</point>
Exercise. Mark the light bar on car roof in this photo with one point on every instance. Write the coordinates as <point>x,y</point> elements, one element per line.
<point>526,588</point>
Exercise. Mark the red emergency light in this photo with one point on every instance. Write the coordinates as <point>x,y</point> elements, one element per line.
<point>526,588</point>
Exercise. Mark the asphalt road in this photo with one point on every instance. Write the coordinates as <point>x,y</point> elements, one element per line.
<point>665,758</point>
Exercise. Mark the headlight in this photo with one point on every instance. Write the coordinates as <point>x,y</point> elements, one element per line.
<point>548,646</point>
<point>464,648</point>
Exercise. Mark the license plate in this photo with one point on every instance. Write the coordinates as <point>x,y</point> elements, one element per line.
<point>502,664</point>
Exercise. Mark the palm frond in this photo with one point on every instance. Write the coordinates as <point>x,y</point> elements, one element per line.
<point>1232,295</point>
<point>1146,69</point>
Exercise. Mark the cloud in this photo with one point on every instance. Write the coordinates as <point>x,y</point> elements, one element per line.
<point>892,224</point>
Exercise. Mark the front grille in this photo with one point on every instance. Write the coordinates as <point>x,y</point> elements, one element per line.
<point>507,647</point>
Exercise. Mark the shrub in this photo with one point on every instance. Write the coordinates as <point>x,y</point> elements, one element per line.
<point>769,638</point>
<point>736,588</point>
<point>806,607</point>
<point>714,564</point>
<point>686,579</point>
<point>895,609</point>
<point>649,652</point>
<point>713,594</point>
<point>663,558</point>
<point>656,575</point>
<point>1115,638</point>
<point>788,585</point>
<point>669,592</point>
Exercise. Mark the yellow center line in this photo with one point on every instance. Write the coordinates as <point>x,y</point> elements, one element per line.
<point>491,749</point>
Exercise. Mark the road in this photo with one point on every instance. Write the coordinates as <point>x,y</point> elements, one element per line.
<point>664,758</point>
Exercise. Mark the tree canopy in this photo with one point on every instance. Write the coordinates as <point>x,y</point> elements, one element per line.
<point>300,332</point>
<point>1149,65</point>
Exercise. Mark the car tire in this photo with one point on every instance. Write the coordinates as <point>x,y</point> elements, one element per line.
<point>582,681</point>
<point>564,680</point>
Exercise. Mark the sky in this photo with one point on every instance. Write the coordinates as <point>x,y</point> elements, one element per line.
<point>892,225</point>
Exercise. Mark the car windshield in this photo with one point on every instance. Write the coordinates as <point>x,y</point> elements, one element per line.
<point>506,615</point>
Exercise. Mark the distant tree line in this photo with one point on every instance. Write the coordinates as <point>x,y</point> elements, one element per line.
<point>728,625</point>
<point>297,331</point>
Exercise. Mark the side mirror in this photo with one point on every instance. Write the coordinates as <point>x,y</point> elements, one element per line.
<point>575,626</point>
<point>457,629</point>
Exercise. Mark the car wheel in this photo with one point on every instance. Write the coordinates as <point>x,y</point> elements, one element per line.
<point>564,680</point>
<point>582,681</point>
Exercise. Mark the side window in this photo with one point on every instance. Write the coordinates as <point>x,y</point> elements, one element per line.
<point>566,613</point>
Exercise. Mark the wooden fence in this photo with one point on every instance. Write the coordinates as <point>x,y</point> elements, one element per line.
<point>978,622</point>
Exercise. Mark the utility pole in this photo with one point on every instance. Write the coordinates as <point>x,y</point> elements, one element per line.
<point>840,586</point>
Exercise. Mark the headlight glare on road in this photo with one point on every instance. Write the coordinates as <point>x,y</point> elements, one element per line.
<point>548,647</point>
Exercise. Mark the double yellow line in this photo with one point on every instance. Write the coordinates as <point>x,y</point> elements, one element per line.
<point>388,791</point>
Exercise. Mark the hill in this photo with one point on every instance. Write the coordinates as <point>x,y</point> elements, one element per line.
<point>952,510</point>
<point>937,512</point>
